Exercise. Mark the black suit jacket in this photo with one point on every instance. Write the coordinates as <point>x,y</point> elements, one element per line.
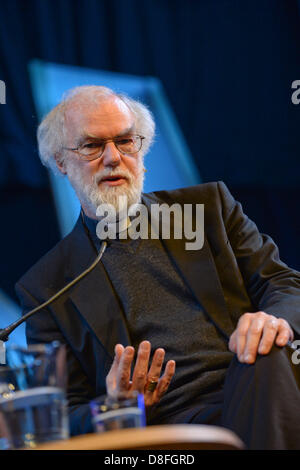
<point>238,270</point>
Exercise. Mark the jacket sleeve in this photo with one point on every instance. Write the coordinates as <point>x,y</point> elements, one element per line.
<point>272,286</point>
<point>41,328</point>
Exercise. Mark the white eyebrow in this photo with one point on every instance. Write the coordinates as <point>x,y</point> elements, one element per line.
<point>92,136</point>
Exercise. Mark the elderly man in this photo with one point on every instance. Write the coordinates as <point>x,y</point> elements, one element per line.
<point>224,313</point>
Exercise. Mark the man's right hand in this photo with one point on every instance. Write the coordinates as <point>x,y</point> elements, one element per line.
<point>143,378</point>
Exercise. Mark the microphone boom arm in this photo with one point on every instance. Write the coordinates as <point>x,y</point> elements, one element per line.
<point>5,332</point>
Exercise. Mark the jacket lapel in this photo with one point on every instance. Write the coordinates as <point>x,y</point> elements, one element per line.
<point>94,296</point>
<point>199,271</point>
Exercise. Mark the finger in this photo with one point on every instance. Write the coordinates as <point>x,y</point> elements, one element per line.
<point>241,334</point>
<point>268,337</point>
<point>232,342</point>
<point>156,365</point>
<point>155,369</point>
<point>164,381</point>
<point>119,349</point>
<point>124,369</point>
<point>253,338</point>
<point>112,375</point>
<point>140,372</point>
<point>285,333</point>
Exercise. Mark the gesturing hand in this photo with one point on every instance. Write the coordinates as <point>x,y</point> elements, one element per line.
<point>144,379</point>
<point>256,333</point>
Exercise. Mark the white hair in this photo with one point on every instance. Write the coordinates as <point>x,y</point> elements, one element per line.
<point>50,133</point>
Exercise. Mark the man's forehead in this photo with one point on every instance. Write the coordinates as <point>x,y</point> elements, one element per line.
<point>103,119</point>
<point>102,122</point>
<point>80,110</point>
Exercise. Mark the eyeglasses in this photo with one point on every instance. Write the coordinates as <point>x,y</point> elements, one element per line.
<point>92,150</point>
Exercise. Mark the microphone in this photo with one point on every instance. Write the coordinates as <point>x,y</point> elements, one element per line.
<point>5,332</point>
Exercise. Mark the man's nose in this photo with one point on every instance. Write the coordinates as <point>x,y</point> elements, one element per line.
<point>111,155</point>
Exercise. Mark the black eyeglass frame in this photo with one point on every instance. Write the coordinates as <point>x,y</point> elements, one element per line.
<point>104,142</point>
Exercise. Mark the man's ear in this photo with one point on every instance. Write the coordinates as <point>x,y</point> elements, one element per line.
<point>59,163</point>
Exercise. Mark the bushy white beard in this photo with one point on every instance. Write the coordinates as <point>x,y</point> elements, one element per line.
<point>92,196</point>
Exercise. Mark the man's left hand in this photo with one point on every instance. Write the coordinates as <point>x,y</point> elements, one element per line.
<point>256,333</point>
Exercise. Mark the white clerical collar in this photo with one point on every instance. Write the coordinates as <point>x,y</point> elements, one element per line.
<point>120,225</point>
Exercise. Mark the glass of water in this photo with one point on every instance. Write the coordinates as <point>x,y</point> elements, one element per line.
<point>126,410</point>
<point>33,406</point>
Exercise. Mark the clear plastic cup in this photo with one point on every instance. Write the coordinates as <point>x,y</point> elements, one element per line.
<point>122,411</point>
<point>33,406</point>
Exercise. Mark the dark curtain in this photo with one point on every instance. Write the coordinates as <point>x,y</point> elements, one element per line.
<point>227,67</point>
